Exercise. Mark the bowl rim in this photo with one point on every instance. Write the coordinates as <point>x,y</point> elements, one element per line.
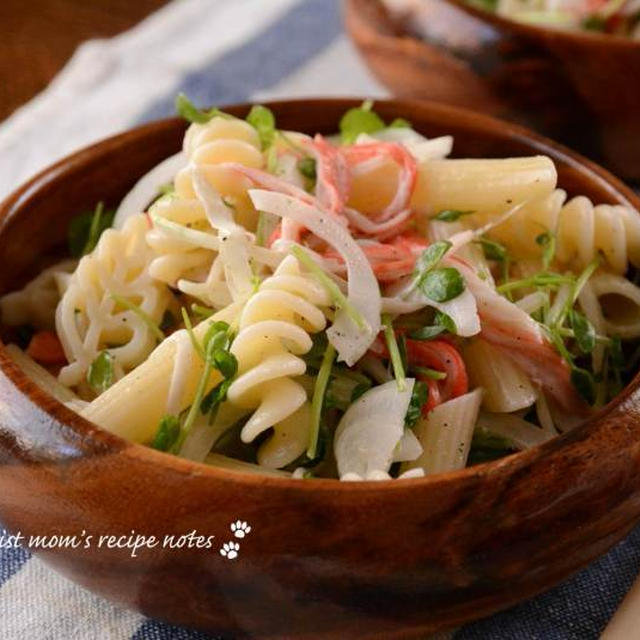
<point>44,401</point>
<point>582,37</point>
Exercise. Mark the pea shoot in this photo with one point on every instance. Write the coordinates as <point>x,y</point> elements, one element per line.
<point>100,375</point>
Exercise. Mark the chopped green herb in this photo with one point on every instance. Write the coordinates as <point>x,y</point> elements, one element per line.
<point>446,321</point>
<point>85,230</point>
<point>339,299</point>
<point>167,434</point>
<point>430,257</point>
<point>307,167</point>
<point>442,284</point>
<point>261,118</point>
<point>317,402</point>
<point>202,312</point>
<point>427,333</point>
<point>192,336</point>
<point>100,375</point>
<point>492,250</point>
<point>419,397</point>
<point>226,363</point>
<point>272,160</point>
<point>215,346</point>
<point>538,280</point>
<point>215,397</point>
<point>187,110</point>
<point>440,324</point>
<point>145,317</point>
<point>359,120</point>
<point>432,374</point>
<point>547,241</point>
<point>166,189</point>
<point>217,331</point>
<point>451,215</point>
<point>584,332</point>
<point>394,352</point>
<point>399,123</point>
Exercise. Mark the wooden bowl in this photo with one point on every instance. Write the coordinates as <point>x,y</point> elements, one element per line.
<point>324,559</point>
<point>582,88</point>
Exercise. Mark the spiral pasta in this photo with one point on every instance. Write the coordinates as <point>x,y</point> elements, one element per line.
<point>190,267</point>
<point>274,330</point>
<point>582,231</point>
<point>219,141</point>
<point>89,320</point>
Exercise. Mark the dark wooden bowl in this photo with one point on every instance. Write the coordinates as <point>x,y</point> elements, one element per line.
<point>582,88</point>
<point>324,559</point>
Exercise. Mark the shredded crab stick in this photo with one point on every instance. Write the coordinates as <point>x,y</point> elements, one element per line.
<point>514,332</point>
<point>45,348</point>
<point>379,230</point>
<point>359,153</point>
<point>441,356</point>
<point>438,355</point>
<point>332,183</point>
<point>392,260</point>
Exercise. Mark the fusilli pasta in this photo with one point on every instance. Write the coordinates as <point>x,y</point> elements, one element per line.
<point>88,319</point>
<point>274,331</point>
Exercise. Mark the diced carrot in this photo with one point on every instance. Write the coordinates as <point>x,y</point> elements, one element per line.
<point>45,348</point>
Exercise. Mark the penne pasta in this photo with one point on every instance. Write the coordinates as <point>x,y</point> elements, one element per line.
<point>483,186</point>
<point>133,407</point>
<point>445,434</point>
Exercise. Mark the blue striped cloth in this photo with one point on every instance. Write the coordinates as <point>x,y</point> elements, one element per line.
<point>223,51</point>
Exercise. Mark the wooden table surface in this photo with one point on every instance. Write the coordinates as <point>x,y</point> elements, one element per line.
<point>37,37</point>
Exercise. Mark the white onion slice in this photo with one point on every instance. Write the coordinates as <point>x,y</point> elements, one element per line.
<point>234,253</point>
<point>370,430</point>
<point>462,309</point>
<point>217,212</point>
<point>408,447</point>
<point>146,189</point>
<point>351,342</point>
<point>270,257</point>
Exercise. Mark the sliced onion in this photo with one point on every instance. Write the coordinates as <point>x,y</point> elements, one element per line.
<point>463,310</point>
<point>370,430</point>
<point>234,253</point>
<point>408,447</point>
<point>148,187</point>
<point>351,342</point>
<point>420,147</point>
<point>217,212</point>
<point>203,240</point>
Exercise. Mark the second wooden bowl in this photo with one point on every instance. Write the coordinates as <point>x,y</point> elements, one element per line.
<point>578,87</point>
<point>324,559</point>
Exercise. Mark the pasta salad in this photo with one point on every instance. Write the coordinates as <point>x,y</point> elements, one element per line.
<point>358,306</point>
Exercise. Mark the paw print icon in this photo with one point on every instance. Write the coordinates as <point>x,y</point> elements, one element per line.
<point>230,550</point>
<point>240,528</point>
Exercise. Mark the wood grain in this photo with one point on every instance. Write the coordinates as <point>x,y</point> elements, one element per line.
<point>325,560</point>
